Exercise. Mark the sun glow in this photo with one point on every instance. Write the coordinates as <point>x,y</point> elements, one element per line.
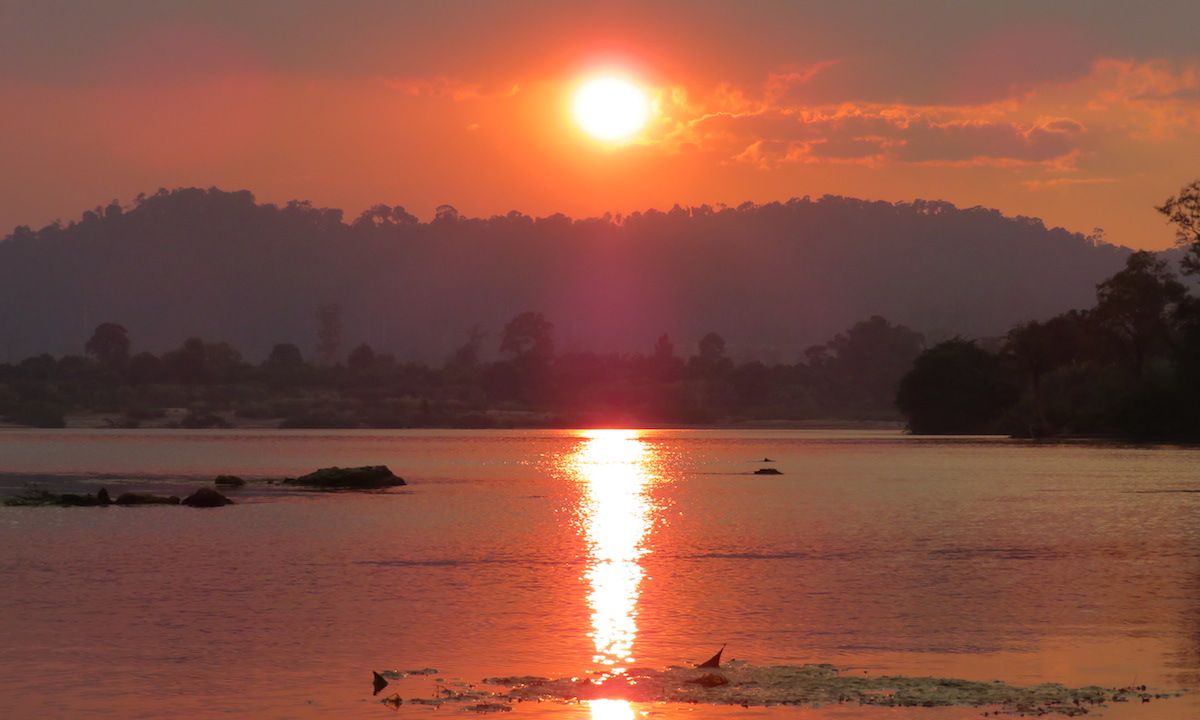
<point>610,107</point>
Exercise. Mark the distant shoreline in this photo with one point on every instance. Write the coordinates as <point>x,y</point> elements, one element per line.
<point>503,421</point>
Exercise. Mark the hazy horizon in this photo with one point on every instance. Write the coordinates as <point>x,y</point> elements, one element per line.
<point>1076,113</point>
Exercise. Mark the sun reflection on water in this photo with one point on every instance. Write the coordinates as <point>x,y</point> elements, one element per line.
<point>610,709</point>
<point>615,467</point>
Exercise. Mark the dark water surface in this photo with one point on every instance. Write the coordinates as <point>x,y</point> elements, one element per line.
<point>563,553</point>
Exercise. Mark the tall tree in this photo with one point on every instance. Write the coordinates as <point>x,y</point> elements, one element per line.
<point>529,338</point>
<point>1041,347</point>
<point>285,355</point>
<point>873,355</point>
<point>1183,211</point>
<point>1137,307</point>
<point>109,343</point>
<point>954,387</point>
<point>710,359</point>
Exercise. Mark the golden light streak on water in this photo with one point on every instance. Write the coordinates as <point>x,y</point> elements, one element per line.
<point>615,468</point>
<point>610,709</point>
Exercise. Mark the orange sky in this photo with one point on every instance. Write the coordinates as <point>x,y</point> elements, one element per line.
<point>1085,113</point>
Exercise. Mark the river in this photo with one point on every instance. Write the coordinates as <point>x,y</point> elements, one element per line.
<point>564,553</point>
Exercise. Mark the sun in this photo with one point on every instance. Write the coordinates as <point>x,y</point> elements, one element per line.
<point>610,107</point>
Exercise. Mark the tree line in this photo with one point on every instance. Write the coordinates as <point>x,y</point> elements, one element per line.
<point>1129,366</point>
<point>210,384</point>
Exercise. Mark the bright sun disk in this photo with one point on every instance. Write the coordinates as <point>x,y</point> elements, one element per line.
<point>611,108</point>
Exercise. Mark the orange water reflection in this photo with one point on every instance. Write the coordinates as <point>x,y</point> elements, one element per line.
<point>610,709</point>
<point>615,469</point>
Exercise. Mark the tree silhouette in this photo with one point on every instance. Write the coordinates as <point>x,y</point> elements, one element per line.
<point>383,216</point>
<point>954,387</point>
<point>187,363</point>
<point>1137,307</point>
<point>529,338</point>
<point>710,358</point>
<point>109,343</point>
<point>872,356</point>
<point>361,358</point>
<point>1039,348</point>
<point>1183,211</point>
<point>285,355</point>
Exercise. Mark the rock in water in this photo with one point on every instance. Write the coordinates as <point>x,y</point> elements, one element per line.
<point>368,477</point>
<point>206,497</point>
<point>714,661</point>
<point>394,700</point>
<point>767,471</point>
<point>378,682</point>
<point>229,481</point>
<point>102,497</point>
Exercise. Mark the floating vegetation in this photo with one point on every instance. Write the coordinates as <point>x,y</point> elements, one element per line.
<point>738,683</point>
<point>401,674</point>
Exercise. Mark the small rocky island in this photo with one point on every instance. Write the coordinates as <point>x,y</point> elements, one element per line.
<point>367,477</point>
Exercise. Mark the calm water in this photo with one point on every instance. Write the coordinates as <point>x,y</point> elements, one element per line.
<point>560,553</point>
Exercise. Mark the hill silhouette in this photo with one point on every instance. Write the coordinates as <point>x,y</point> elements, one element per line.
<point>773,279</point>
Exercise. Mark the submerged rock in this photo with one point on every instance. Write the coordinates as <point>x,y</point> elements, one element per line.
<point>368,477</point>
<point>206,497</point>
<point>136,498</point>
<point>34,497</point>
<point>767,471</point>
<point>394,701</point>
<point>72,499</point>
<point>710,680</point>
<point>229,481</point>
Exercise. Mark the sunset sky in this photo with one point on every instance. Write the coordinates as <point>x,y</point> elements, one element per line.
<point>1085,113</point>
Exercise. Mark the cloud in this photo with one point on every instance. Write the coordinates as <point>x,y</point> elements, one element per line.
<point>765,153</point>
<point>852,149</point>
<point>1059,183</point>
<point>892,134</point>
<point>1060,118</point>
<point>1158,98</point>
<point>1152,80</point>
<point>984,142</point>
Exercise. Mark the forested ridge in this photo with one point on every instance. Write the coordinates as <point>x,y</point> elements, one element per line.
<point>309,289</point>
<point>772,279</point>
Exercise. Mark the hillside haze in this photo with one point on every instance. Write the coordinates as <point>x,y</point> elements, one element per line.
<point>772,279</point>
